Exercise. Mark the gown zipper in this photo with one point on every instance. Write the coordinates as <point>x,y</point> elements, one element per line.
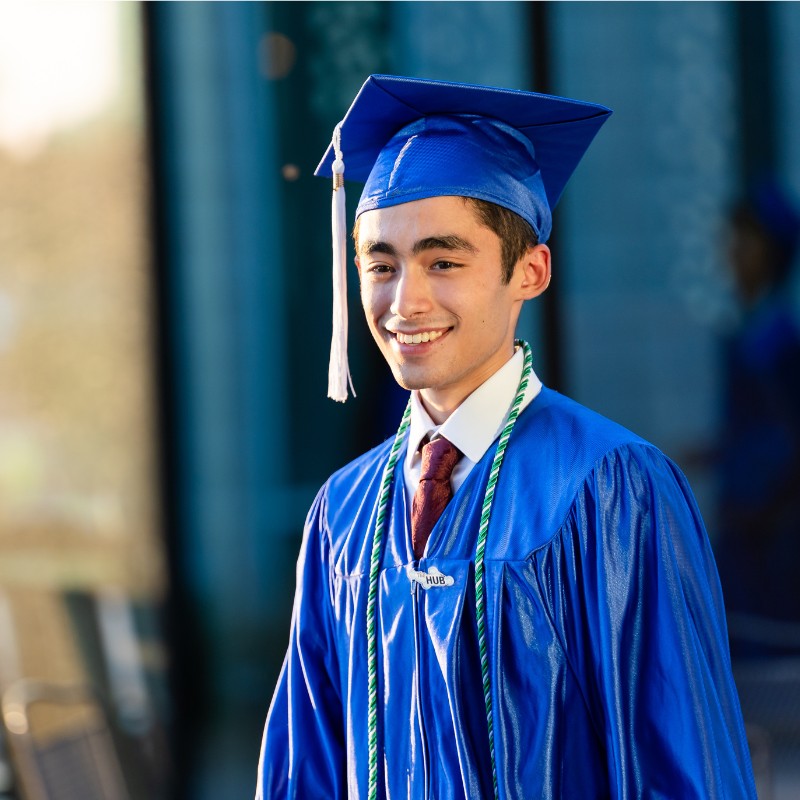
<point>422,738</point>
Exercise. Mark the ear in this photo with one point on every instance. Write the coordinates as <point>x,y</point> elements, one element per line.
<point>532,272</point>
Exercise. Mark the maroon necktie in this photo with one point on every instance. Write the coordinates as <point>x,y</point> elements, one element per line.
<point>434,491</point>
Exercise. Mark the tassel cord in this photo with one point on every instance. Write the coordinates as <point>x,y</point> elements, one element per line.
<point>339,378</point>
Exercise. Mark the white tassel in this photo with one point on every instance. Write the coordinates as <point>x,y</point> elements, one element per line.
<point>338,370</point>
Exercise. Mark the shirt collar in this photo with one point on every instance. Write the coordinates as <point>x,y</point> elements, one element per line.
<point>479,420</point>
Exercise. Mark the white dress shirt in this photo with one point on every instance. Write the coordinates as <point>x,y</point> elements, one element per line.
<point>472,427</point>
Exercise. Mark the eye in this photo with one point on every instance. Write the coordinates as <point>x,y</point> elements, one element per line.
<point>444,265</point>
<point>380,269</point>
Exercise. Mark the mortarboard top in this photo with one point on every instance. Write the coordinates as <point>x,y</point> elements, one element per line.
<point>512,147</point>
<point>409,139</point>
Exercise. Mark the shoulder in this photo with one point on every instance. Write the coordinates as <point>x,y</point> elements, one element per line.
<point>570,416</point>
<point>350,493</point>
<point>563,456</point>
<point>360,471</point>
<point>769,337</point>
<point>567,439</point>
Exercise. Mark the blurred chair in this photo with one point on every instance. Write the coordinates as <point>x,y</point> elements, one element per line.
<point>760,745</point>
<point>768,682</point>
<point>60,743</point>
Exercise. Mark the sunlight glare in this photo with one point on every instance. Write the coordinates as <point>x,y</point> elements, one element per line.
<point>59,66</point>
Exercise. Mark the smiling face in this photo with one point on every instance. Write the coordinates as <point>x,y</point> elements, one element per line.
<point>433,295</point>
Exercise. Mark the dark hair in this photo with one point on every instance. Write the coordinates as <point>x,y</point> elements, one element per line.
<point>515,234</point>
<point>769,212</point>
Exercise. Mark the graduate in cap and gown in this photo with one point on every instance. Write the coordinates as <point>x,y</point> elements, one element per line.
<point>514,597</point>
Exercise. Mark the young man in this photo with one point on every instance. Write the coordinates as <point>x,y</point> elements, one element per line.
<point>515,598</point>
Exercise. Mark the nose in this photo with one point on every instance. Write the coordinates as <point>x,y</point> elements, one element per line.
<point>412,295</point>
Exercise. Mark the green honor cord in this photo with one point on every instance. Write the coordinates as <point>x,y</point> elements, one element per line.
<point>480,596</point>
<point>480,550</point>
<point>372,596</point>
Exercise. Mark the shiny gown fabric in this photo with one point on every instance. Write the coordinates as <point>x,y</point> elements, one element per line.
<point>608,651</point>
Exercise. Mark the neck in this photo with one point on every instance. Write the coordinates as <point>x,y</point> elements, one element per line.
<point>437,410</point>
<point>441,402</point>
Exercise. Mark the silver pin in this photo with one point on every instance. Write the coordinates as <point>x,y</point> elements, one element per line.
<point>432,579</point>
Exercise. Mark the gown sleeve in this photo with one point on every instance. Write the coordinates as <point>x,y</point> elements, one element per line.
<point>644,628</point>
<point>302,751</point>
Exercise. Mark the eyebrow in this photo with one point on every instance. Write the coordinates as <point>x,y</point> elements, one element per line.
<point>445,242</point>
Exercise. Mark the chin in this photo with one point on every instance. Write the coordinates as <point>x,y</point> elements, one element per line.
<point>407,380</point>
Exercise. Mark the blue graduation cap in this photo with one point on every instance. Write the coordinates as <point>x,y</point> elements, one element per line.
<point>408,139</point>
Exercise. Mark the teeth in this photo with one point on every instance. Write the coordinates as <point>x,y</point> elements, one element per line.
<point>416,338</point>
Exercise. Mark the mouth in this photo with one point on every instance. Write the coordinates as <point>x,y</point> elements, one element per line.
<point>418,337</point>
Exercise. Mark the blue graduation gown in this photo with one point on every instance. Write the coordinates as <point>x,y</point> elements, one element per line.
<point>608,650</point>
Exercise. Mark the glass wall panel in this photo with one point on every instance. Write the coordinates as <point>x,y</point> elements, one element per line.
<point>642,253</point>
<point>82,567</point>
<point>77,470</point>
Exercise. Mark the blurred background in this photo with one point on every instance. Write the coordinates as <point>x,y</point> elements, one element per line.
<point>165,319</point>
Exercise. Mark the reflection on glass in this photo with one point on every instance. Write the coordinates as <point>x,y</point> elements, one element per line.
<point>76,460</point>
<point>81,566</point>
